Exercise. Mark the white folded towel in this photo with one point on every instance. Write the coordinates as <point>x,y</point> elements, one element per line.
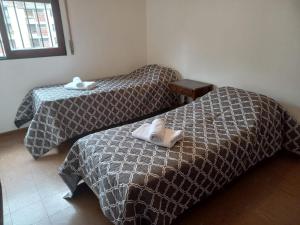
<point>157,130</point>
<point>169,140</point>
<point>78,84</point>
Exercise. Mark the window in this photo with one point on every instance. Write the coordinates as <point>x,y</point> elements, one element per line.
<point>30,28</point>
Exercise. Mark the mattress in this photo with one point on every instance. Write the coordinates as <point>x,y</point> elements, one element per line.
<point>56,114</point>
<point>226,132</point>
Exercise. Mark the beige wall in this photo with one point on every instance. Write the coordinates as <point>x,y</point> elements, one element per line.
<point>109,36</point>
<point>251,44</point>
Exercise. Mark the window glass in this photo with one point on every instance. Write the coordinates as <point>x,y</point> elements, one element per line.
<point>31,25</point>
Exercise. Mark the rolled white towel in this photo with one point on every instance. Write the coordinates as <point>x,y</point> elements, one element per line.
<point>76,80</point>
<point>157,131</point>
<point>78,84</point>
<point>88,85</point>
<point>142,132</point>
<point>170,137</point>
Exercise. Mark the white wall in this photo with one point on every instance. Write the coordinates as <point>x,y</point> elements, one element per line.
<point>109,37</point>
<point>251,44</point>
<point>248,44</point>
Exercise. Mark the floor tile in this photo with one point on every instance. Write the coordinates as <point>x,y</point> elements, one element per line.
<point>55,204</point>
<point>71,216</point>
<point>44,221</point>
<point>20,193</point>
<point>51,186</point>
<point>7,219</point>
<point>30,214</point>
<point>5,201</point>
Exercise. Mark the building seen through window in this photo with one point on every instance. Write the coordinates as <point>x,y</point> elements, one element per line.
<point>30,25</point>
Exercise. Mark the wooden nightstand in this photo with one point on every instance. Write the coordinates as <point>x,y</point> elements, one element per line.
<point>190,88</point>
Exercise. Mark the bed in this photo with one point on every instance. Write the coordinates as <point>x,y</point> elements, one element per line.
<point>226,132</point>
<point>57,114</point>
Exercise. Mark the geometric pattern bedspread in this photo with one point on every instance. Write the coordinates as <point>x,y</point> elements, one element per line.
<point>226,132</point>
<point>57,114</point>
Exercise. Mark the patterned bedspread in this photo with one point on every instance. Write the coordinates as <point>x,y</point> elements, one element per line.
<point>225,133</point>
<point>57,114</point>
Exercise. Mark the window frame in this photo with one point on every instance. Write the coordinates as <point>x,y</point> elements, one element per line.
<point>35,53</point>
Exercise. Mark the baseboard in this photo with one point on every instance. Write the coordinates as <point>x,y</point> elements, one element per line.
<point>12,132</point>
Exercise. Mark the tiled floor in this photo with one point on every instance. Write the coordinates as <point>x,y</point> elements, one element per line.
<point>33,191</point>
<point>267,195</point>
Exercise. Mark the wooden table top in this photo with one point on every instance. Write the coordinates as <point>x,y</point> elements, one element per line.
<point>190,84</point>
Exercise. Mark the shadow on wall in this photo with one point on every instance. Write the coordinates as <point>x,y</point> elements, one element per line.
<point>294,110</point>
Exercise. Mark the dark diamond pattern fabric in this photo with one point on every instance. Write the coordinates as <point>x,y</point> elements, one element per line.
<point>225,133</point>
<point>57,114</point>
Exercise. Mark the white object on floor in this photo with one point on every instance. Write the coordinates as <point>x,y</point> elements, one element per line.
<point>157,130</point>
<point>78,84</point>
<point>169,140</point>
